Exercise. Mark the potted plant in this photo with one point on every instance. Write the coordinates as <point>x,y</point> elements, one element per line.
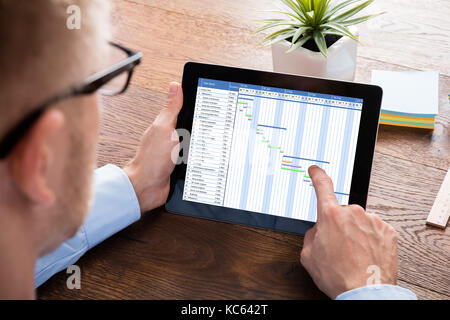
<point>316,37</point>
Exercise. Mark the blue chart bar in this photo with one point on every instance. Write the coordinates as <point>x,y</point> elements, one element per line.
<point>342,193</point>
<point>273,127</point>
<point>306,159</point>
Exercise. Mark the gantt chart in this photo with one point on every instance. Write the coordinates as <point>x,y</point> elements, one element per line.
<point>251,147</point>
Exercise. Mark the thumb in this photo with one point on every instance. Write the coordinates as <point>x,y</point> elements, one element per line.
<point>169,113</point>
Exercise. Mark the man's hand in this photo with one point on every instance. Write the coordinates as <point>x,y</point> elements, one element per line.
<point>345,241</point>
<point>150,170</point>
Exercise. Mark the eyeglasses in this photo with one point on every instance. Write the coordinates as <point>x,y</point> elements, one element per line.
<point>112,81</point>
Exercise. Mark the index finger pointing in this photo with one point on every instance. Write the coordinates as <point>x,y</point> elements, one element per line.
<point>323,186</point>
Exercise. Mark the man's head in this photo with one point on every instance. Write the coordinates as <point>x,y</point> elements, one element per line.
<point>45,180</point>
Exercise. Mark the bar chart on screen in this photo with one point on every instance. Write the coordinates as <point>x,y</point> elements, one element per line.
<point>253,146</point>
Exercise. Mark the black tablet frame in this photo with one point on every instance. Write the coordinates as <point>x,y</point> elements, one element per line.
<point>367,136</point>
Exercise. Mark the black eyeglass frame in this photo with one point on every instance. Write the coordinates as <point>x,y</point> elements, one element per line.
<point>89,86</point>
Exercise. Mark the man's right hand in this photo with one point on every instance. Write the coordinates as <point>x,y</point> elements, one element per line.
<point>347,245</point>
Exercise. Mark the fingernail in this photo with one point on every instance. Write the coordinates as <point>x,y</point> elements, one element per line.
<point>173,88</point>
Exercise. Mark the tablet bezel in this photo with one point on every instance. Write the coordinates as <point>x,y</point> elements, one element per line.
<point>367,136</point>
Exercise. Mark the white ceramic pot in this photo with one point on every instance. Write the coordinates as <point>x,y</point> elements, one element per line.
<point>340,62</point>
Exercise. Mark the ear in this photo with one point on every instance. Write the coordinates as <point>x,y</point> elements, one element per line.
<point>29,161</point>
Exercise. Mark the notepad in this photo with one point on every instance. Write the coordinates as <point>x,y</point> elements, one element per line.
<point>410,98</point>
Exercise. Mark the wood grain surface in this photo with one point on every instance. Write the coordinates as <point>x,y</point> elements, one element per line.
<point>167,256</point>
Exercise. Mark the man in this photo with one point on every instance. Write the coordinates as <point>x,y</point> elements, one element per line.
<point>48,133</point>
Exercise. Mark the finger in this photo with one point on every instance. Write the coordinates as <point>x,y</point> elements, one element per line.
<point>309,236</point>
<point>169,113</point>
<point>323,186</point>
<point>307,245</point>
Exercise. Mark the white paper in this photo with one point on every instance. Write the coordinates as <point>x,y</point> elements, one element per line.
<point>412,92</point>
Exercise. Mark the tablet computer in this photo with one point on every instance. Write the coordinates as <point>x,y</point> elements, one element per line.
<point>248,138</point>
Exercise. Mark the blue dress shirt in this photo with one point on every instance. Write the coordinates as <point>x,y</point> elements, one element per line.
<point>116,206</point>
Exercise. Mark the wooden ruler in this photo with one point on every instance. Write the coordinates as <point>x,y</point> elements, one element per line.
<point>440,211</point>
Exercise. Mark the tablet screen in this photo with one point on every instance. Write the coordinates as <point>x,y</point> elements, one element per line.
<point>251,147</point>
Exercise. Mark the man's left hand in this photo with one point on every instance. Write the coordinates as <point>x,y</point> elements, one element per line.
<point>150,170</point>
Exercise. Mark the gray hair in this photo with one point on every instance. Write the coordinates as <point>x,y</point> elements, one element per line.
<point>40,55</point>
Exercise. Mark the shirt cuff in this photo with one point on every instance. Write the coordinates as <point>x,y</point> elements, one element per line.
<point>110,217</point>
<point>378,292</point>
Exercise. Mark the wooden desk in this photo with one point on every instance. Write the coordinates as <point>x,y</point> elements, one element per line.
<point>166,256</point>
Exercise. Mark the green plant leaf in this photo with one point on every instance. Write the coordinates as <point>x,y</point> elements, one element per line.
<point>296,17</point>
<point>341,29</point>
<point>310,16</point>
<point>299,32</point>
<point>351,12</point>
<point>309,4</point>
<point>278,39</point>
<point>271,20</point>
<point>360,19</point>
<point>275,24</point>
<point>293,6</point>
<point>275,37</point>
<point>301,5</point>
<point>272,25</point>
<point>320,41</point>
<point>299,43</point>
<point>315,11</point>
<point>277,33</point>
<point>320,7</point>
<point>333,31</point>
<point>338,7</point>
<point>304,7</point>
